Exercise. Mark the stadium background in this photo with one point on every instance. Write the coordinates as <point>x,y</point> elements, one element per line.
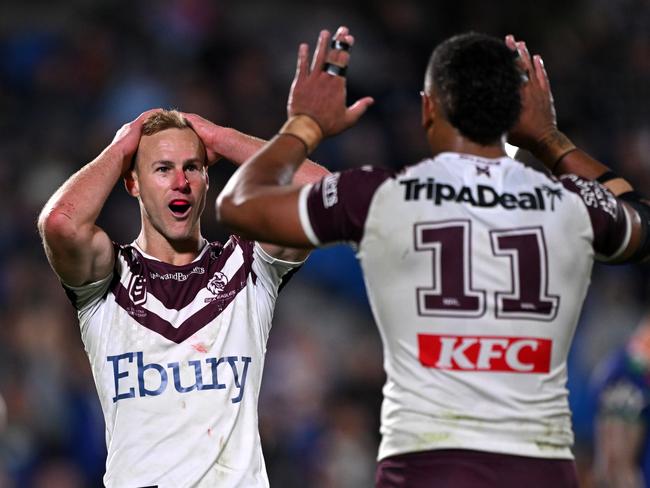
<point>71,73</point>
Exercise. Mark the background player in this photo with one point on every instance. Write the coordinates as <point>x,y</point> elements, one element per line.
<point>476,266</point>
<point>175,327</point>
<point>622,388</point>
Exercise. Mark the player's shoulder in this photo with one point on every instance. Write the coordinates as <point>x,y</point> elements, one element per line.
<point>424,170</point>
<point>236,249</point>
<point>355,186</point>
<point>233,243</point>
<point>369,171</point>
<point>415,168</point>
<point>364,178</point>
<point>128,253</point>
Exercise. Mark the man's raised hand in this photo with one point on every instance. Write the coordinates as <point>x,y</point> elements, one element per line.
<point>127,138</point>
<point>537,120</point>
<point>319,91</point>
<point>208,133</point>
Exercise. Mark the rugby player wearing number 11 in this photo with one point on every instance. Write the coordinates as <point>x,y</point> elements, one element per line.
<point>476,266</point>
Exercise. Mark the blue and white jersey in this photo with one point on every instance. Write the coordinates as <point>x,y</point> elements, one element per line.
<point>177,355</point>
<point>622,391</point>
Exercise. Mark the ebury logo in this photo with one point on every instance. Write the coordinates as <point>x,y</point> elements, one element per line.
<point>485,353</point>
<point>137,289</point>
<point>134,377</point>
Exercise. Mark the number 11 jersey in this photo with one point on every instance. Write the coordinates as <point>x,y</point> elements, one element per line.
<point>476,270</point>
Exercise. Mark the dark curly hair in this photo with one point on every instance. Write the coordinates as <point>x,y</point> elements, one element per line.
<point>477,81</point>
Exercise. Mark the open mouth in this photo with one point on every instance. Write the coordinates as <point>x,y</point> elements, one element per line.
<point>179,207</point>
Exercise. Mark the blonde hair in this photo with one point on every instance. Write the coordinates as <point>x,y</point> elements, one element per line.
<point>160,121</point>
<point>163,120</point>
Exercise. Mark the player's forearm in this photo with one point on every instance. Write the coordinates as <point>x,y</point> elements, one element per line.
<point>274,165</point>
<point>239,147</point>
<point>260,200</point>
<point>75,206</point>
<point>561,156</point>
<point>582,164</point>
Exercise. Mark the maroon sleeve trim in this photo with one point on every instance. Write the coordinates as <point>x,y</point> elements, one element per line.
<point>338,205</point>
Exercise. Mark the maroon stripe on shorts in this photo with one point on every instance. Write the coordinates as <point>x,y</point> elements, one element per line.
<point>463,468</point>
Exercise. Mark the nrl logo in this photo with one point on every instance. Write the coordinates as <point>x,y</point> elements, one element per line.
<point>217,283</point>
<point>137,289</point>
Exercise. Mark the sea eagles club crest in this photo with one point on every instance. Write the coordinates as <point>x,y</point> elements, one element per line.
<point>217,283</point>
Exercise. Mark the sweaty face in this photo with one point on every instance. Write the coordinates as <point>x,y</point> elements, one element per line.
<point>170,180</point>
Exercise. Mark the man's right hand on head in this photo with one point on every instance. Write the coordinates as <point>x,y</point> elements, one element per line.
<point>536,130</point>
<point>208,132</point>
<point>537,119</point>
<point>127,139</point>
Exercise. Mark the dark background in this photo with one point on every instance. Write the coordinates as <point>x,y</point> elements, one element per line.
<point>71,73</point>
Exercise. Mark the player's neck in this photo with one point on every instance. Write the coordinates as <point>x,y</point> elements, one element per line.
<point>177,253</point>
<point>446,138</point>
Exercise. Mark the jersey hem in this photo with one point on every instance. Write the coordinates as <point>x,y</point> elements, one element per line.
<point>512,449</point>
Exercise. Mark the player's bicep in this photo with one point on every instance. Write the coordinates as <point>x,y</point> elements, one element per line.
<point>632,242</point>
<point>286,223</point>
<point>335,209</point>
<point>610,219</point>
<point>80,258</point>
<point>270,217</point>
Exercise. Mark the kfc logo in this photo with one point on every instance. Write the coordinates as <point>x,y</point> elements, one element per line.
<point>480,353</point>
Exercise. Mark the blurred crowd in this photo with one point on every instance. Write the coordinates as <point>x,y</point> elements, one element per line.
<point>71,73</point>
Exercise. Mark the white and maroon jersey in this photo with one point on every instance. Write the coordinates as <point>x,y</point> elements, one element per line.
<point>476,270</point>
<point>177,354</point>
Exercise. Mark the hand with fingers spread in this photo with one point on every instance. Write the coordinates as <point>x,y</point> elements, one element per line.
<point>319,91</point>
<point>536,129</point>
<point>208,132</point>
<point>127,138</point>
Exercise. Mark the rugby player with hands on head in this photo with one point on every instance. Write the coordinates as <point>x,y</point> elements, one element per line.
<point>175,327</point>
<point>476,265</point>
